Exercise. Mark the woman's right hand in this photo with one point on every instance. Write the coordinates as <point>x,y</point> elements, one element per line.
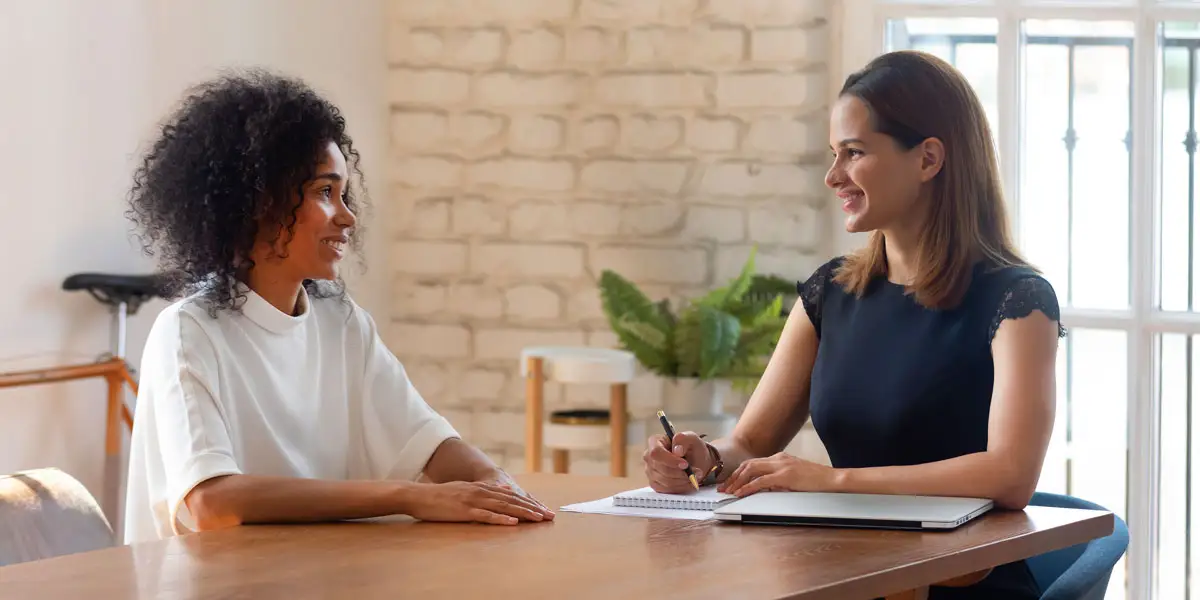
<point>665,462</point>
<point>480,502</point>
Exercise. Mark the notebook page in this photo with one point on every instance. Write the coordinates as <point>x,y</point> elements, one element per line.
<point>707,498</point>
<point>604,506</point>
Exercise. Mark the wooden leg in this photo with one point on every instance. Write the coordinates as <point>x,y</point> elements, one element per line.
<point>112,452</point>
<point>618,420</point>
<point>128,377</point>
<point>562,460</point>
<point>533,415</point>
<point>112,429</point>
<point>917,594</point>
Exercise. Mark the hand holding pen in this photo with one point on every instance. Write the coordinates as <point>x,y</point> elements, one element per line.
<point>671,457</point>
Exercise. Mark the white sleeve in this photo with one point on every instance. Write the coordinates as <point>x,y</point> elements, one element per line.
<point>189,424</point>
<point>400,430</point>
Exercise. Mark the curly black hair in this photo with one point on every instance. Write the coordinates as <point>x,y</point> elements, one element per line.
<point>229,159</point>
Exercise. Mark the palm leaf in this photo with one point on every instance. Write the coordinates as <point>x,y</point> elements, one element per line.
<point>648,344</point>
<point>622,299</point>
<point>644,328</point>
<point>706,341</point>
<point>732,293</point>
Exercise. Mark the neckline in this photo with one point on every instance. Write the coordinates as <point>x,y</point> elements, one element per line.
<point>265,315</point>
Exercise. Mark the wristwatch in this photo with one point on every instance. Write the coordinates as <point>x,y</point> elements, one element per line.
<point>718,465</point>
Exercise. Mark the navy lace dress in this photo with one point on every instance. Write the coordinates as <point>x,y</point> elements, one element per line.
<point>895,383</point>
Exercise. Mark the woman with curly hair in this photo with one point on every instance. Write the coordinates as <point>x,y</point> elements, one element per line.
<point>266,394</point>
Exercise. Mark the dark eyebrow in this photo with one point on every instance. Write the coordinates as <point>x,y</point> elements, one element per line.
<point>848,141</point>
<point>329,176</point>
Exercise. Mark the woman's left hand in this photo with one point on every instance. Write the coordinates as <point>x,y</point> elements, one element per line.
<point>503,479</point>
<point>778,473</point>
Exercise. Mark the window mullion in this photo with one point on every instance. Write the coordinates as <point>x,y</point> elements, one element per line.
<point>1143,404</point>
<point>1009,112</point>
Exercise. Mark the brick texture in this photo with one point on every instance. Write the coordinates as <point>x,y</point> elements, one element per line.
<point>535,143</point>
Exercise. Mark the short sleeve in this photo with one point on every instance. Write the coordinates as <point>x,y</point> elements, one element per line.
<point>191,431</point>
<point>1024,296</point>
<point>812,292</point>
<point>400,430</point>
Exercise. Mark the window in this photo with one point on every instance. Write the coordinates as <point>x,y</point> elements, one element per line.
<point>1093,104</point>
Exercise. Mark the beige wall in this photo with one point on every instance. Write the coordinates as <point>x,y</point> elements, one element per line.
<point>538,142</point>
<point>87,82</point>
<point>534,142</point>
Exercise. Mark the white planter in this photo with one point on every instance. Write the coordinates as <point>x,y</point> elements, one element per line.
<point>699,406</point>
<point>695,397</point>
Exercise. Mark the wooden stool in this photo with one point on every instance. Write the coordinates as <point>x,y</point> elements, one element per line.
<point>564,364</point>
<point>570,430</point>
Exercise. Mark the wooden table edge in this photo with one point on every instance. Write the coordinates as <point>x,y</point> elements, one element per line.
<point>891,583</point>
<point>914,580</point>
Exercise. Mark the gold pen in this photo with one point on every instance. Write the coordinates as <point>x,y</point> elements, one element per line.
<point>662,418</point>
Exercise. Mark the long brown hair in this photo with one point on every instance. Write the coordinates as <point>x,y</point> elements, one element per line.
<point>913,96</point>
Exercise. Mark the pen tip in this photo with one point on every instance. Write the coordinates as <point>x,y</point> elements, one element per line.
<point>692,478</point>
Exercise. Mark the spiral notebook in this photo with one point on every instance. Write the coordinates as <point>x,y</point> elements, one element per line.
<point>707,498</point>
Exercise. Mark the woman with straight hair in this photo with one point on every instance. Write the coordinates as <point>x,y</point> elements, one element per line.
<point>926,359</point>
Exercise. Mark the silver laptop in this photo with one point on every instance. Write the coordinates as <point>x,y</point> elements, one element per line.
<point>875,511</point>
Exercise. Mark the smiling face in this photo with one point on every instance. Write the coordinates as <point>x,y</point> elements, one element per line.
<point>321,234</point>
<point>881,184</point>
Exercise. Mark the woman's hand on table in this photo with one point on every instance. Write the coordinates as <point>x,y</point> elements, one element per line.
<point>779,473</point>
<point>474,501</point>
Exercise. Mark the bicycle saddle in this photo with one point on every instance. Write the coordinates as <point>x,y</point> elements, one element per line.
<point>114,288</point>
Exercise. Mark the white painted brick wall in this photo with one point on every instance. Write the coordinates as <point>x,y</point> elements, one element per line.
<point>537,142</point>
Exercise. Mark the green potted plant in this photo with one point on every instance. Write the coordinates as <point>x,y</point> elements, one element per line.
<point>704,347</point>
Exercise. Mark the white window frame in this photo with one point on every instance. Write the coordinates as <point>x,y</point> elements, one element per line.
<point>857,35</point>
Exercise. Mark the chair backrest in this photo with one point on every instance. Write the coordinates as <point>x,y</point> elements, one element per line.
<point>1082,571</point>
<point>46,513</point>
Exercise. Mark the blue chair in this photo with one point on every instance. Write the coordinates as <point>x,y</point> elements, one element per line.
<point>1082,571</point>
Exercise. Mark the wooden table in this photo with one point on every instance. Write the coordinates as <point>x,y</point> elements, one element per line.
<point>576,556</point>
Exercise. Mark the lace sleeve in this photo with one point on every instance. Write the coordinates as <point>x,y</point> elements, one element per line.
<point>1022,298</point>
<point>812,292</point>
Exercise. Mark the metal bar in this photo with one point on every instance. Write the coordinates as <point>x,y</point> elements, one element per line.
<point>1142,407</point>
<point>1069,434</point>
<point>1010,114</point>
<point>1069,140</point>
<point>120,322</point>
<point>1181,42</point>
<point>1032,40</point>
<point>1187,475</point>
<point>1168,10</point>
<point>1190,147</point>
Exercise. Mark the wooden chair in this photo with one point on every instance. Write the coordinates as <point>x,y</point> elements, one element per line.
<point>576,365</point>
<point>46,513</point>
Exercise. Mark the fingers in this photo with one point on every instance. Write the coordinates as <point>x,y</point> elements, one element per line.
<point>669,485</point>
<point>668,478</point>
<point>520,493</point>
<point>761,484</point>
<point>546,512</point>
<point>669,468</point>
<point>687,443</point>
<point>660,455</point>
<point>486,516</point>
<point>746,472</point>
<point>510,503</point>
<point>665,468</point>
